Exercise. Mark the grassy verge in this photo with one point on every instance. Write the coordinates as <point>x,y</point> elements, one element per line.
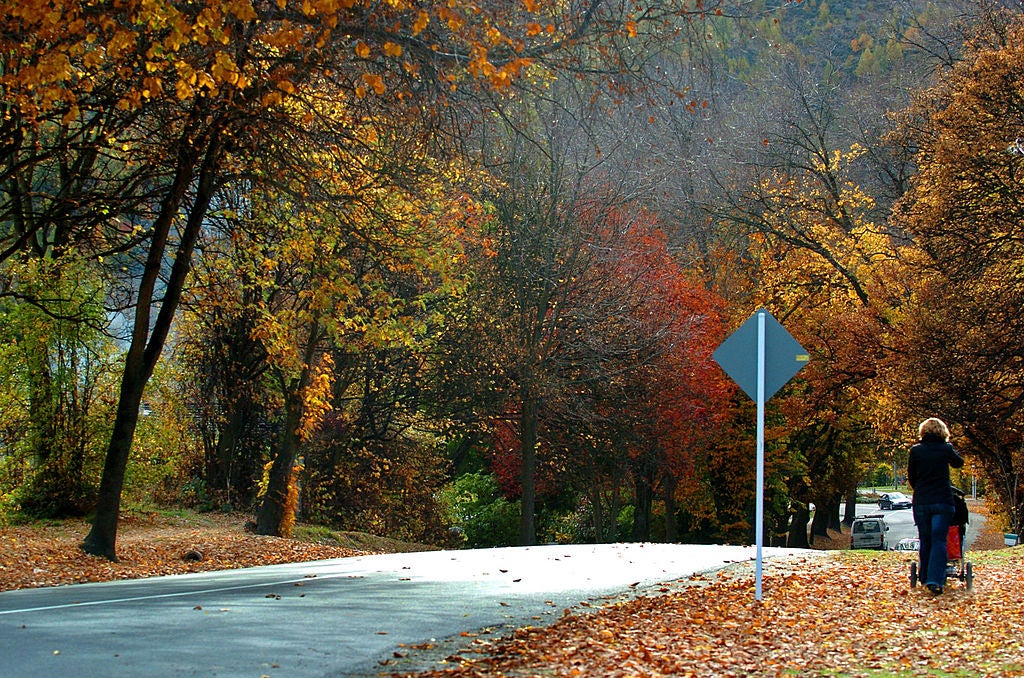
<point>358,541</point>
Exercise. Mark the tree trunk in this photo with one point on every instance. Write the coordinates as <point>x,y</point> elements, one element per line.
<point>270,520</point>
<point>528,470</point>
<point>597,516</point>
<point>851,508</point>
<point>819,523</point>
<point>826,517</point>
<point>147,343</point>
<point>42,414</point>
<point>671,526</point>
<point>217,466</point>
<point>102,538</point>
<point>273,511</point>
<point>834,523</point>
<point>615,504</point>
<point>797,538</point>
<point>224,462</point>
<point>643,475</point>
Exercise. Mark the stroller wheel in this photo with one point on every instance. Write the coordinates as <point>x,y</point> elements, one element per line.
<point>969,575</point>
<point>913,575</point>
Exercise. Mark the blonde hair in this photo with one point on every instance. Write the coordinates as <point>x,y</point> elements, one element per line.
<point>933,427</point>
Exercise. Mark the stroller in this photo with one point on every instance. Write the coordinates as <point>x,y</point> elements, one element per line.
<point>957,565</point>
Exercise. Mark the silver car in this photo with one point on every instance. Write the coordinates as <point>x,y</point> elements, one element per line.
<point>869,533</point>
<point>908,544</point>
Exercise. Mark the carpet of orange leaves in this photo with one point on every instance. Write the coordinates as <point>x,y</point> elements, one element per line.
<point>850,613</point>
<point>843,614</point>
<point>147,545</point>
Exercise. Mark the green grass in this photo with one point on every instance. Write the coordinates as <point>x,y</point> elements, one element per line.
<point>359,541</point>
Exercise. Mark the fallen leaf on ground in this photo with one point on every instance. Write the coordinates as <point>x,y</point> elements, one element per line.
<point>49,555</point>
<point>845,613</point>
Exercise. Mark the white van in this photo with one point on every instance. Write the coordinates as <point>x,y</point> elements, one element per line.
<point>869,533</point>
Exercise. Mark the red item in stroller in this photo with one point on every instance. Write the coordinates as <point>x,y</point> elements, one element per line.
<point>955,542</point>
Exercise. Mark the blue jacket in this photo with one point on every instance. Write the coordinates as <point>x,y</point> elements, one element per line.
<point>928,471</point>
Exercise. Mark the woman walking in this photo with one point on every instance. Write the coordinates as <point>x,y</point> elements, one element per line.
<point>928,474</point>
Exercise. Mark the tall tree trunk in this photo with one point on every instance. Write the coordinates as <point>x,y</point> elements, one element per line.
<point>147,343</point>
<point>597,517</point>
<point>102,538</point>
<point>834,522</point>
<point>615,504</point>
<point>528,470</point>
<point>273,510</point>
<point>41,407</point>
<point>44,495</point>
<point>643,475</point>
<point>270,520</point>
<point>851,507</point>
<point>797,538</point>
<point>671,526</point>
<point>826,516</point>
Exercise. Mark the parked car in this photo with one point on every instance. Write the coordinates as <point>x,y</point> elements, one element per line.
<point>894,500</point>
<point>869,533</point>
<point>908,544</point>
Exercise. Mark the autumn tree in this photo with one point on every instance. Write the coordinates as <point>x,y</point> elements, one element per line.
<point>554,220</point>
<point>543,252</point>
<point>58,366</point>
<point>629,392</point>
<point>177,98</point>
<point>330,268</point>
<point>667,398</point>
<point>822,255</point>
<point>960,349</point>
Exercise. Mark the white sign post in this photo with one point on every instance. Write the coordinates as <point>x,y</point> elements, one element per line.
<point>759,496</point>
<point>760,356</point>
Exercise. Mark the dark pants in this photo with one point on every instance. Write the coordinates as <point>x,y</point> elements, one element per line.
<point>932,522</point>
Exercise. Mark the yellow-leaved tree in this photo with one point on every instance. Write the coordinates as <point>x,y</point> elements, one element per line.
<point>342,265</point>
<point>820,262</point>
<point>123,121</point>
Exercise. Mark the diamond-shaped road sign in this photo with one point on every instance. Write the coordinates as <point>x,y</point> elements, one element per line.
<point>783,356</point>
<point>760,353</point>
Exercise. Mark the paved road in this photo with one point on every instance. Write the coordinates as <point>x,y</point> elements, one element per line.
<point>327,618</point>
<point>901,523</point>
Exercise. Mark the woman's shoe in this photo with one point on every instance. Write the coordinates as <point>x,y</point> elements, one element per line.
<point>935,588</point>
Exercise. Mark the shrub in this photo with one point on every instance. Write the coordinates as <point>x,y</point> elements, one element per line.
<point>474,504</point>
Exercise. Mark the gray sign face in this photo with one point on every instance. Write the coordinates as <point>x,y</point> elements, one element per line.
<point>783,356</point>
